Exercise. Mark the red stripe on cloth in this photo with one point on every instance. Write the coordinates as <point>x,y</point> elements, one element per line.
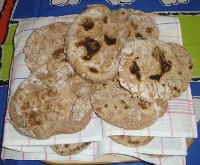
<point>54,139</point>
<point>23,156</point>
<point>183,160</point>
<point>110,146</point>
<point>149,131</point>
<point>179,112</point>
<point>29,141</point>
<point>79,136</point>
<point>162,145</point>
<point>171,125</point>
<point>177,99</point>
<point>70,157</point>
<point>137,151</point>
<point>94,151</point>
<point>45,153</point>
<point>192,118</point>
<point>21,148</point>
<point>3,154</point>
<point>4,134</point>
<point>160,161</point>
<point>177,30</point>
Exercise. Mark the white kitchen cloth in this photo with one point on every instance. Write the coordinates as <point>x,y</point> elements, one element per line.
<point>159,145</point>
<point>11,154</point>
<point>179,121</point>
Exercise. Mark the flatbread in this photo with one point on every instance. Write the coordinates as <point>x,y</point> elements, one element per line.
<point>150,70</point>
<point>138,24</point>
<point>92,44</point>
<point>53,100</point>
<point>43,43</point>
<point>132,141</point>
<point>69,149</point>
<point>116,106</point>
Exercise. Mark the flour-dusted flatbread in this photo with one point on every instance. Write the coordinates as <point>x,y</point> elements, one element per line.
<point>116,106</point>
<point>53,100</point>
<point>185,60</point>
<point>69,149</point>
<point>43,43</point>
<point>149,69</point>
<point>132,141</point>
<point>92,44</point>
<point>137,24</point>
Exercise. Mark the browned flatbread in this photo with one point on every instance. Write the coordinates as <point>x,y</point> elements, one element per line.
<point>69,149</point>
<point>92,44</point>
<point>137,24</point>
<point>132,141</point>
<point>116,106</point>
<point>54,100</point>
<point>150,69</point>
<point>43,42</point>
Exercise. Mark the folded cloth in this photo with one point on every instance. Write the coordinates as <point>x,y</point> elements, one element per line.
<point>159,146</point>
<point>11,154</point>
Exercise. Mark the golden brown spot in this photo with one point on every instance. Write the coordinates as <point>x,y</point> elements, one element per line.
<point>143,104</point>
<point>57,53</point>
<point>104,85</point>
<point>177,89</point>
<point>135,26</point>
<point>149,29</point>
<point>98,109</point>
<point>163,85</point>
<point>66,145</point>
<point>105,19</point>
<point>122,101</point>
<point>133,142</point>
<point>87,24</point>
<point>126,106</point>
<point>109,41</point>
<point>35,119</point>
<point>190,67</point>
<point>106,105</point>
<point>25,105</point>
<point>93,70</point>
<point>92,47</point>
<point>134,69</point>
<point>122,12</point>
<point>179,73</point>
<point>138,35</point>
<point>115,106</point>
<point>52,92</point>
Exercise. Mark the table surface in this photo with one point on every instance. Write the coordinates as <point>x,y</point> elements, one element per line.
<point>190,30</point>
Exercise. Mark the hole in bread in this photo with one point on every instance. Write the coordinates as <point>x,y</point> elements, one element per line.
<point>190,67</point>
<point>109,41</point>
<point>87,24</point>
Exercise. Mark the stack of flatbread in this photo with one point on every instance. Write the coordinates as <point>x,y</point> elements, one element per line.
<point>111,63</point>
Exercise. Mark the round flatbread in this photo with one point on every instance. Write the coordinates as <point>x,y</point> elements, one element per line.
<point>138,24</point>
<point>69,149</point>
<point>54,100</point>
<point>92,44</point>
<point>150,70</point>
<point>116,106</point>
<point>43,43</point>
<point>132,141</point>
<point>185,60</point>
